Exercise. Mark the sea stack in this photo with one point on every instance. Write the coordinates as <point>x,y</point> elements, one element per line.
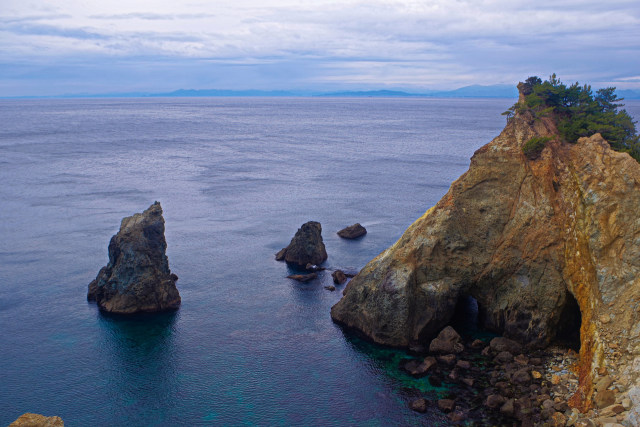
<point>306,246</point>
<point>543,246</point>
<point>137,277</point>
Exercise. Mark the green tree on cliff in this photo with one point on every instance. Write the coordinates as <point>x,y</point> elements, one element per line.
<point>578,112</point>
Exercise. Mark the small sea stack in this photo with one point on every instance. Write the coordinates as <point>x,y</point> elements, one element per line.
<point>353,231</point>
<point>339,277</point>
<point>306,246</point>
<point>137,277</point>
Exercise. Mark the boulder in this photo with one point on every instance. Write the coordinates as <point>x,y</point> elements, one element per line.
<point>419,405</point>
<point>603,383</point>
<point>503,357</point>
<point>352,232</point>
<point>494,401</point>
<point>36,420</point>
<point>604,398</point>
<point>446,405</point>
<point>447,342</point>
<point>500,344</point>
<point>306,247</point>
<point>339,277</point>
<point>521,376</point>
<point>447,359</point>
<point>418,368</point>
<point>137,277</point>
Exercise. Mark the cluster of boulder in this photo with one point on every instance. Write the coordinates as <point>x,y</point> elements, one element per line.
<point>501,383</point>
<point>307,251</point>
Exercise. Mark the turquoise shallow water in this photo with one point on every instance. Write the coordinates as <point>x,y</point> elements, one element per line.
<point>236,178</point>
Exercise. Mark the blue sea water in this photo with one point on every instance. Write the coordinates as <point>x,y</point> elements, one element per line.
<point>236,177</point>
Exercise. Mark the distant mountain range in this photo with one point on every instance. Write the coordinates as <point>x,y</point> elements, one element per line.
<point>475,91</point>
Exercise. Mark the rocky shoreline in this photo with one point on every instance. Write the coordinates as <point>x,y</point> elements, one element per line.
<point>498,382</point>
<point>546,246</point>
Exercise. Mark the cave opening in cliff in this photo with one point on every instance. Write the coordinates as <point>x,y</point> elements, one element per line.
<point>568,332</point>
<point>465,315</point>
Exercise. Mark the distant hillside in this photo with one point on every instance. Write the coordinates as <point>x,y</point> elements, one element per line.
<point>475,91</point>
<point>628,94</point>
<point>223,92</point>
<point>373,94</point>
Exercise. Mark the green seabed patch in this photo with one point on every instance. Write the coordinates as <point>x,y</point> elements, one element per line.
<point>387,360</point>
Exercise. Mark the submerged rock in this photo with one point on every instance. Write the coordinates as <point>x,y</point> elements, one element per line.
<point>303,277</point>
<point>418,368</point>
<point>352,232</point>
<point>306,247</point>
<point>543,246</point>
<point>419,405</point>
<point>137,277</point>
<point>37,420</point>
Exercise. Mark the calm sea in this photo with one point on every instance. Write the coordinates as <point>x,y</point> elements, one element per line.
<point>236,178</point>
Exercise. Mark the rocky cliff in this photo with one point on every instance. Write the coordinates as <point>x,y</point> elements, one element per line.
<point>545,246</point>
<point>137,277</point>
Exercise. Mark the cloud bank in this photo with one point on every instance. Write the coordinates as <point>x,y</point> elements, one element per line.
<point>73,46</point>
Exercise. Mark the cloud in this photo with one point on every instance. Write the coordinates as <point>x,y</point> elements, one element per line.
<point>442,43</point>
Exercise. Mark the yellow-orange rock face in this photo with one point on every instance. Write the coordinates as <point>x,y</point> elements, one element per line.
<point>524,238</point>
<point>36,420</point>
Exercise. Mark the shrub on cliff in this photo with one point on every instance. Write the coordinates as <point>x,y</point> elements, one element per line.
<point>578,112</point>
<point>533,147</point>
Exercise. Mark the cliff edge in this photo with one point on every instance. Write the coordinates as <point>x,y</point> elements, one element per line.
<point>543,245</point>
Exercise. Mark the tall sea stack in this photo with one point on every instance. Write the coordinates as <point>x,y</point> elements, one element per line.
<point>542,244</point>
<point>137,277</point>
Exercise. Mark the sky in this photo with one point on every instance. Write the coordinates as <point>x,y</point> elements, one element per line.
<point>89,46</point>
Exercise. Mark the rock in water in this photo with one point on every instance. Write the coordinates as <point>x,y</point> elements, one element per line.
<point>303,277</point>
<point>352,232</point>
<point>524,238</point>
<point>447,342</point>
<point>36,420</point>
<point>137,278</point>
<point>339,277</point>
<point>306,247</point>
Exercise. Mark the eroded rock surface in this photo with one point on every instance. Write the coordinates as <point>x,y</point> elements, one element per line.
<point>306,247</point>
<point>526,239</point>
<point>37,420</point>
<point>137,277</point>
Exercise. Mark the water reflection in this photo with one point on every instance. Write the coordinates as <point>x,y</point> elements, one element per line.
<point>139,365</point>
<point>384,362</point>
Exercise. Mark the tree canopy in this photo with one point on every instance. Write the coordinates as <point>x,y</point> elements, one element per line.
<point>578,112</point>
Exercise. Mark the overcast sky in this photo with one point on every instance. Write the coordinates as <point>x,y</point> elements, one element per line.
<point>90,46</point>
